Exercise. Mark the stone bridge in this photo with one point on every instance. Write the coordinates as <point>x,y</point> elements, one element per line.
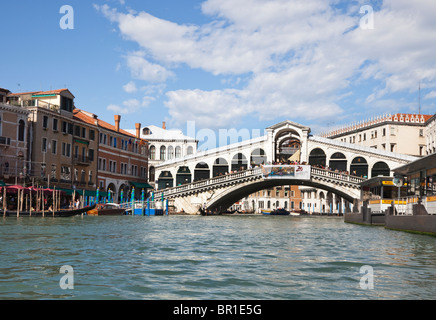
<point>219,176</point>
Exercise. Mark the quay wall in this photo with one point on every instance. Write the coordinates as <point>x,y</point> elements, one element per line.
<point>421,223</point>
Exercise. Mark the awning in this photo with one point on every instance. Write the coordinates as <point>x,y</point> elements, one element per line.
<point>2,184</point>
<point>428,162</point>
<point>139,185</point>
<point>88,193</point>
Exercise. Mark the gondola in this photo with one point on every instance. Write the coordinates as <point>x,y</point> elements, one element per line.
<point>204,212</point>
<point>57,214</point>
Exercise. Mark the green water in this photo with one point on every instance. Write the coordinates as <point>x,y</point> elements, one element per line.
<point>211,258</point>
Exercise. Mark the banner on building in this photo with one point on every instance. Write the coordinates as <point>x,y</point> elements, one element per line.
<point>286,172</point>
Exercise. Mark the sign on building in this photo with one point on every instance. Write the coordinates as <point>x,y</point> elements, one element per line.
<point>286,172</point>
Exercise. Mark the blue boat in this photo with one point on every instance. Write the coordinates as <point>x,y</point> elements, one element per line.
<point>277,212</point>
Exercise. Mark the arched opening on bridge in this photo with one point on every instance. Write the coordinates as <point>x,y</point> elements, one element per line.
<point>220,167</point>
<point>317,157</point>
<point>165,180</point>
<point>258,157</point>
<point>288,146</point>
<point>239,162</point>
<point>152,174</point>
<point>359,167</point>
<point>183,176</point>
<point>338,161</point>
<point>201,172</point>
<point>380,169</point>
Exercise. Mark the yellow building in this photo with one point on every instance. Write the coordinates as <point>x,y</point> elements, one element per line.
<point>62,148</point>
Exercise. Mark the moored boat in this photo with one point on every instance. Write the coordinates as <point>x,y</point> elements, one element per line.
<point>58,214</point>
<point>277,212</point>
<point>107,209</point>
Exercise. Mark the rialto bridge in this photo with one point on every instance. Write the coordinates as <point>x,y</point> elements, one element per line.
<point>219,177</point>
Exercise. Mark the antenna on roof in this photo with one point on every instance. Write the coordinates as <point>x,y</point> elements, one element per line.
<point>419,98</point>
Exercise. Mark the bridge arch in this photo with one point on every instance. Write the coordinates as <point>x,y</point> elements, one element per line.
<point>166,180</point>
<point>380,169</point>
<point>220,167</point>
<point>258,157</point>
<point>226,198</point>
<point>318,157</point>
<point>239,162</point>
<point>201,172</point>
<point>287,144</point>
<point>183,176</point>
<point>338,161</point>
<point>359,167</point>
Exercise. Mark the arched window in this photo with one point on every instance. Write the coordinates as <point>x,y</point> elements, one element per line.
<point>163,151</point>
<point>152,153</point>
<point>152,175</point>
<point>170,153</point>
<point>21,130</point>
<point>190,150</point>
<point>178,152</point>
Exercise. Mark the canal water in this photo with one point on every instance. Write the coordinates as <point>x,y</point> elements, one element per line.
<point>212,258</point>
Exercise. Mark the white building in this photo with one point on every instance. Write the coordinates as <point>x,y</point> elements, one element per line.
<point>400,133</point>
<point>430,135</point>
<point>165,145</point>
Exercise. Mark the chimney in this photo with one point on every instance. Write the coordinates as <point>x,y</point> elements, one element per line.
<point>117,123</point>
<point>164,125</point>
<point>138,130</point>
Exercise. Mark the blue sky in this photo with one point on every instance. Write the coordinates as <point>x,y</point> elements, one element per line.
<point>226,63</point>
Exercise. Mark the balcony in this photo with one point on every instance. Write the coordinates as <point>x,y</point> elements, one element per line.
<point>82,161</point>
<point>35,103</point>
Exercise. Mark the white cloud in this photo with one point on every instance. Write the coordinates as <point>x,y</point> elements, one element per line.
<point>430,95</point>
<point>141,69</point>
<point>129,106</point>
<point>296,57</point>
<point>130,87</point>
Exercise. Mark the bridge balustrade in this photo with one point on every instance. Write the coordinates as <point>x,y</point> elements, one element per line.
<point>253,173</point>
<point>336,175</point>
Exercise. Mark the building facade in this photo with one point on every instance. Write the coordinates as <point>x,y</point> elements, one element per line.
<point>62,148</point>
<point>165,145</point>
<point>122,159</point>
<point>284,197</point>
<point>399,133</point>
<point>430,135</point>
<point>14,144</point>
